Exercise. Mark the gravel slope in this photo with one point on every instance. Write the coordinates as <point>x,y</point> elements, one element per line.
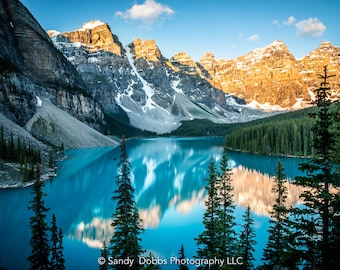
<point>60,128</point>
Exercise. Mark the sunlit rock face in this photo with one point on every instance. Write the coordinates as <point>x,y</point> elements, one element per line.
<point>325,54</point>
<point>96,36</point>
<point>146,49</point>
<point>272,74</point>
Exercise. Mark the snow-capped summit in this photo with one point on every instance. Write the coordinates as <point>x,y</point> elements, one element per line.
<point>92,24</point>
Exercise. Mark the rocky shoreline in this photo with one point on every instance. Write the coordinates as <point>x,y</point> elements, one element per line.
<point>10,176</point>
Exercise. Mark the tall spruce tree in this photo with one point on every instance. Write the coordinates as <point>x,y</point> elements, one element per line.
<point>153,265</point>
<point>208,242</point>
<point>54,242</point>
<point>226,209</point>
<point>104,254</point>
<point>278,250</point>
<point>57,258</point>
<point>39,257</point>
<point>219,237</point>
<point>181,257</point>
<point>127,224</point>
<point>335,204</point>
<point>60,248</point>
<point>247,241</point>
<point>316,220</point>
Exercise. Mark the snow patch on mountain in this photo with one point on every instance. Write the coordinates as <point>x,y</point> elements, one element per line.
<point>266,106</point>
<point>91,25</point>
<point>146,87</point>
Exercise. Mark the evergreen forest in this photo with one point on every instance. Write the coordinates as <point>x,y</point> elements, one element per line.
<point>17,151</point>
<point>287,134</point>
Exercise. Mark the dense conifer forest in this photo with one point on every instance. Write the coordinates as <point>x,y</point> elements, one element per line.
<point>17,151</point>
<point>287,134</point>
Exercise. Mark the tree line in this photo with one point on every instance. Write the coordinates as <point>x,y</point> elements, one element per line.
<point>288,137</point>
<point>17,151</point>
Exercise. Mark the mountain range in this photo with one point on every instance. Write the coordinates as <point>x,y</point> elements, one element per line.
<point>157,93</point>
<point>91,76</point>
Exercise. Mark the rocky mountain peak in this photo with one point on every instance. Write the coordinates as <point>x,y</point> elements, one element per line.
<point>207,57</point>
<point>277,45</point>
<point>183,59</point>
<point>95,35</point>
<point>146,49</point>
<point>326,51</point>
<point>271,75</point>
<point>92,24</point>
<point>313,63</point>
<point>208,62</point>
<point>276,50</point>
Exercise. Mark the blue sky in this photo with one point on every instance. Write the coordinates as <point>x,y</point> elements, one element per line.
<point>227,28</point>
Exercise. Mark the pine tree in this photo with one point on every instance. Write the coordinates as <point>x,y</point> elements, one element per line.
<point>219,237</point>
<point>104,254</point>
<point>247,241</point>
<point>316,219</point>
<point>277,252</point>
<point>60,248</point>
<point>57,259</point>
<point>50,159</point>
<point>152,265</point>
<point>39,258</point>
<point>226,209</point>
<point>54,241</point>
<point>125,241</point>
<point>11,149</point>
<point>182,258</point>
<point>208,241</point>
<point>335,204</point>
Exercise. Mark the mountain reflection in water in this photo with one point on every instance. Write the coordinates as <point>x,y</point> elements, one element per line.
<point>168,174</point>
<point>169,177</point>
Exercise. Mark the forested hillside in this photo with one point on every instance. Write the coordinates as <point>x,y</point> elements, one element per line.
<point>285,134</point>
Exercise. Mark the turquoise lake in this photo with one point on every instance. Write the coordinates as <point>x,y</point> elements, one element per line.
<point>168,175</point>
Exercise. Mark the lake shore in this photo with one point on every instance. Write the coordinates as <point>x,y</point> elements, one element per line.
<point>11,177</point>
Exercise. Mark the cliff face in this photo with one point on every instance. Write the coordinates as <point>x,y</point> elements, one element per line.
<point>28,48</point>
<point>97,36</point>
<point>272,74</point>
<point>31,66</point>
<point>155,92</point>
<point>313,63</point>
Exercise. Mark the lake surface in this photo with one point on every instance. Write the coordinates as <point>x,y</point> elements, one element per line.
<point>169,176</point>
